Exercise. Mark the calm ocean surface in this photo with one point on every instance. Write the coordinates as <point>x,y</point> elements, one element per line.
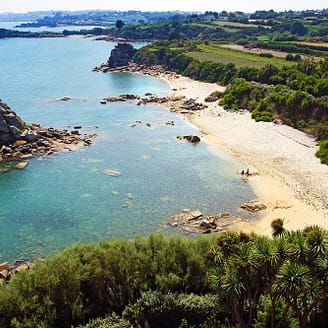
<point>66,198</point>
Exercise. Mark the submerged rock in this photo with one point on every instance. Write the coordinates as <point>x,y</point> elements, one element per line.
<point>113,173</point>
<point>65,98</point>
<point>21,165</point>
<point>126,204</point>
<point>129,195</point>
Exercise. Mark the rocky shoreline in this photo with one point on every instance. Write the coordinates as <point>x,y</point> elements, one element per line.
<point>195,222</point>
<point>19,141</point>
<point>175,103</point>
<point>7,270</point>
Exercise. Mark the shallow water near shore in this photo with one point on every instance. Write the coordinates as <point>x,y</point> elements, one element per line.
<point>66,198</point>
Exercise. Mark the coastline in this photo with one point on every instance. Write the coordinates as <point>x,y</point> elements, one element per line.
<point>291,181</point>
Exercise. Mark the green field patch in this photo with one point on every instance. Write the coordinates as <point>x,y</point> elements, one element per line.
<point>235,24</point>
<point>213,52</point>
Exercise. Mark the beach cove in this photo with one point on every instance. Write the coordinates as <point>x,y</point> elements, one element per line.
<point>291,181</point>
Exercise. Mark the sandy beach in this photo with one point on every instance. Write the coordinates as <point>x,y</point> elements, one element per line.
<point>291,181</point>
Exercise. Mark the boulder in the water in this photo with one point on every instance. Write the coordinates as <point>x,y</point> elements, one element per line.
<point>113,173</point>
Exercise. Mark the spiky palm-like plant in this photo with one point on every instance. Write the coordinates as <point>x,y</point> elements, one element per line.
<point>296,285</point>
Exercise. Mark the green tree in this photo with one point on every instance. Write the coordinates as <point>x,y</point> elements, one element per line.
<point>238,276</point>
<point>298,28</point>
<point>295,285</point>
<point>119,24</point>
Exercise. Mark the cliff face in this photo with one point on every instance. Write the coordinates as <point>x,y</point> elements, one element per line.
<point>121,55</point>
<point>11,125</point>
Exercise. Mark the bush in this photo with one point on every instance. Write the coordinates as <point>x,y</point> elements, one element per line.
<point>321,132</point>
<point>113,321</point>
<point>266,55</point>
<point>168,310</point>
<point>264,316</point>
<point>322,153</point>
<point>291,57</point>
<point>261,116</point>
<point>217,94</point>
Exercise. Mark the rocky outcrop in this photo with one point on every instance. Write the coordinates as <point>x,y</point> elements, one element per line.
<point>253,206</point>
<point>11,125</point>
<point>19,140</point>
<point>190,138</point>
<point>153,70</point>
<point>121,55</point>
<point>211,99</point>
<point>7,270</point>
<point>123,97</point>
<point>191,104</point>
<point>177,104</point>
<point>195,222</point>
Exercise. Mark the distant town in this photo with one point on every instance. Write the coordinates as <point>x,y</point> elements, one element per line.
<point>109,18</point>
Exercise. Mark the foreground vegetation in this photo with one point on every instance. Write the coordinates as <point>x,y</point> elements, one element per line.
<point>236,279</point>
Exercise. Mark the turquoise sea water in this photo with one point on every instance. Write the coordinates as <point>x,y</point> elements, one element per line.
<point>66,198</point>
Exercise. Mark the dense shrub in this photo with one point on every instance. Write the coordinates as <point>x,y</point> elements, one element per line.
<point>112,321</point>
<point>242,94</point>
<point>266,55</point>
<point>291,57</point>
<point>168,310</point>
<point>322,153</point>
<point>261,116</point>
<point>87,281</point>
<point>239,280</point>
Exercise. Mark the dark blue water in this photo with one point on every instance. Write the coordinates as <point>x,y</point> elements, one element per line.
<point>61,199</point>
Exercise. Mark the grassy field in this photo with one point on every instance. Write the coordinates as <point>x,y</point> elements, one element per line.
<point>320,44</point>
<point>235,24</point>
<point>228,26</point>
<point>216,53</point>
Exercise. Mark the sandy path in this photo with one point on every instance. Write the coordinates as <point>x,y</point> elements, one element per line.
<point>291,182</point>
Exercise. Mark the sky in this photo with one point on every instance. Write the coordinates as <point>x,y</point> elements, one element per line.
<point>21,6</point>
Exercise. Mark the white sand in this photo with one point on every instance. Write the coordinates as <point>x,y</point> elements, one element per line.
<point>291,182</point>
